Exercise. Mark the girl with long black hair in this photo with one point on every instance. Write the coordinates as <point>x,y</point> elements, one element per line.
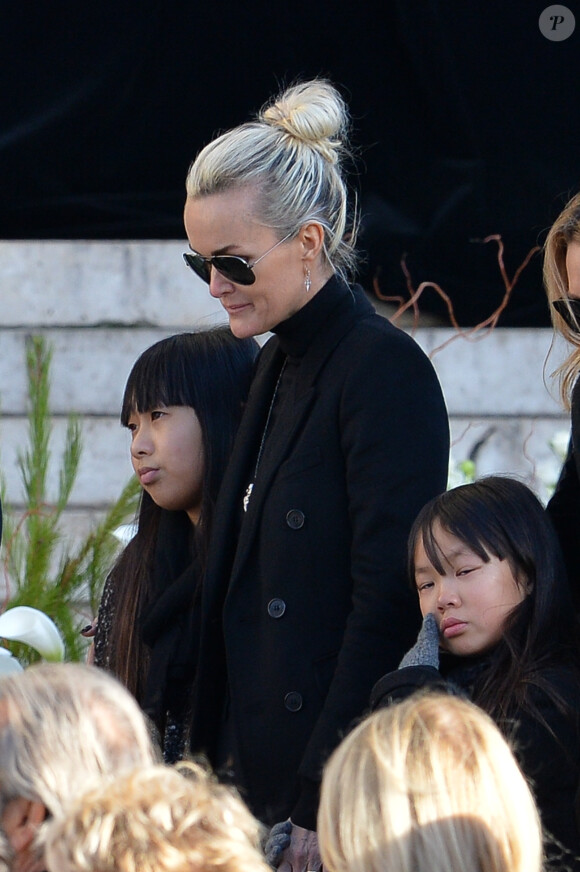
<point>499,625</point>
<point>182,405</point>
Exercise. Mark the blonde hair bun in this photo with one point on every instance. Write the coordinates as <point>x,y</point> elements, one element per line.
<point>313,113</point>
<point>291,153</point>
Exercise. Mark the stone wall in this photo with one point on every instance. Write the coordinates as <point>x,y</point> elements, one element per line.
<point>100,304</point>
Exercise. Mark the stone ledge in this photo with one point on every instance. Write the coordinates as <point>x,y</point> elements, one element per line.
<point>53,283</point>
<point>504,373</point>
<point>516,445</point>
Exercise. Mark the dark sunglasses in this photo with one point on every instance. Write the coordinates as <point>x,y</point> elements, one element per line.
<point>230,266</point>
<point>569,309</point>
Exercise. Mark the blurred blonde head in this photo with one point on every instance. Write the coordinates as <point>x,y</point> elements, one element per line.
<point>63,726</point>
<point>157,819</point>
<point>427,785</point>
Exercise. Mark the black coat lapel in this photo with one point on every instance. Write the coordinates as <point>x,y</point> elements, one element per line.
<point>266,473</point>
<point>229,504</point>
<point>311,365</point>
<point>224,564</point>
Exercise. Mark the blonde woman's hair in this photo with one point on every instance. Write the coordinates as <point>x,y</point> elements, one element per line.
<point>427,785</point>
<point>62,726</point>
<point>157,819</point>
<point>292,156</point>
<point>564,230</point>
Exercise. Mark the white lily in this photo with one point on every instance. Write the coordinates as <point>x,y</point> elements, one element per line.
<point>125,533</point>
<point>559,444</point>
<point>8,663</point>
<point>34,628</point>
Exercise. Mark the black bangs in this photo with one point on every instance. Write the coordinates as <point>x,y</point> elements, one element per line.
<point>481,515</point>
<point>162,376</point>
<point>495,516</point>
<point>469,533</point>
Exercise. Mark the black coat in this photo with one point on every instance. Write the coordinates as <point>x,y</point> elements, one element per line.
<point>547,746</point>
<point>305,601</point>
<point>564,506</point>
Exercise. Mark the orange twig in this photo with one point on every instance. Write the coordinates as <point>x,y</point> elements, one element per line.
<point>472,334</point>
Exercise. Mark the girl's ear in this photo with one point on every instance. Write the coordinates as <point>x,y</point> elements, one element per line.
<point>525,585</point>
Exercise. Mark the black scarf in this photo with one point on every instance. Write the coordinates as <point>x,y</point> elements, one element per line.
<point>170,622</point>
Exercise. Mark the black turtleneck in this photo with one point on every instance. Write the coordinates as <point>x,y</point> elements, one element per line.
<point>297,333</point>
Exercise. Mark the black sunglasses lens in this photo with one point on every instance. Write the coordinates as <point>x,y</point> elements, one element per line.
<point>569,310</point>
<point>198,265</point>
<point>234,268</point>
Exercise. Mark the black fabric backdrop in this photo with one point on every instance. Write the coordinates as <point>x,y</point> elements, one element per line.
<point>465,117</point>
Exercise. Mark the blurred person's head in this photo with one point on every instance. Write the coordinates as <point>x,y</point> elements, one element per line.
<point>62,727</point>
<point>427,785</point>
<point>562,283</point>
<point>157,819</point>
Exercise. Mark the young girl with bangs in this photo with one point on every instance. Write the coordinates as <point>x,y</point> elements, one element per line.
<point>499,625</point>
<point>182,405</point>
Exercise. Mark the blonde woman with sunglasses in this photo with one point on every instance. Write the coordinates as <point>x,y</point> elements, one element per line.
<point>343,439</point>
<point>562,282</point>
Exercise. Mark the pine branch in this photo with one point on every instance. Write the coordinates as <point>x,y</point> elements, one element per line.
<point>70,463</point>
<point>33,572</point>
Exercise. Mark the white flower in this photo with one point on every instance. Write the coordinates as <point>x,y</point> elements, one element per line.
<point>547,474</point>
<point>34,628</point>
<point>8,663</point>
<point>559,444</point>
<point>125,533</point>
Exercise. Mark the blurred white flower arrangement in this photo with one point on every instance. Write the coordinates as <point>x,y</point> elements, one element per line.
<point>31,627</point>
<point>126,532</point>
<point>546,472</point>
<point>559,444</point>
<point>460,472</point>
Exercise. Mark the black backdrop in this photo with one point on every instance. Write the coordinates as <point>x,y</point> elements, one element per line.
<point>466,118</point>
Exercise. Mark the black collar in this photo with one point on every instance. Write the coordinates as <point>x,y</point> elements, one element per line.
<point>298,332</point>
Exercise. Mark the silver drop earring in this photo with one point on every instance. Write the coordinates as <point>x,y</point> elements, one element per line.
<point>307,281</point>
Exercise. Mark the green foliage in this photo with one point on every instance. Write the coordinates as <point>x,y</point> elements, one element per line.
<point>40,568</point>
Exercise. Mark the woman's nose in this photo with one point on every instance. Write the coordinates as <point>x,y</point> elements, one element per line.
<point>218,284</point>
